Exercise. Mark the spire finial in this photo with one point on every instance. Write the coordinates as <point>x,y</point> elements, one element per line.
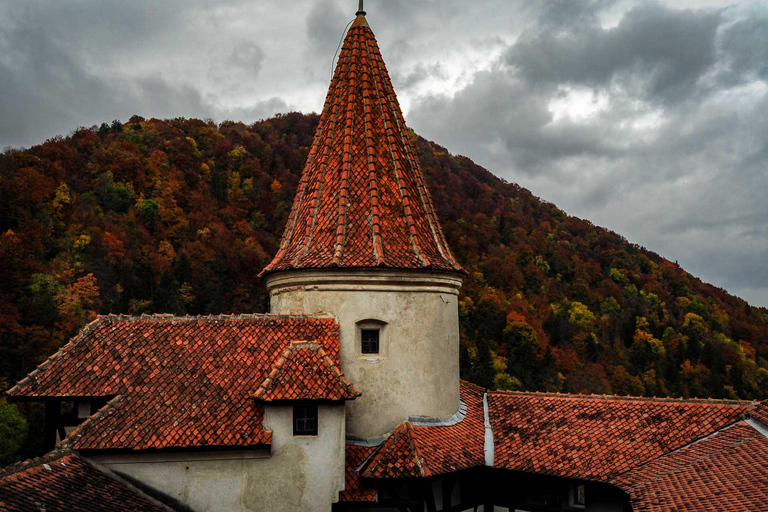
<point>361,9</point>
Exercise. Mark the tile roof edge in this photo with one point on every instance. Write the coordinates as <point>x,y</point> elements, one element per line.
<point>541,394</point>
<point>23,465</point>
<point>122,481</point>
<point>288,353</point>
<point>56,355</point>
<point>78,432</point>
<point>234,316</point>
<point>472,386</point>
<point>613,479</point>
<point>404,428</point>
<point>757,425</point>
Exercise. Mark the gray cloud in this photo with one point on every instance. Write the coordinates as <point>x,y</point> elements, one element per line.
<point>640,116</point>
<point>670,149</point>
<point>660,51</point>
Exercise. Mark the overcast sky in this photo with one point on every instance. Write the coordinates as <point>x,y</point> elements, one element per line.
<point>648,118</point>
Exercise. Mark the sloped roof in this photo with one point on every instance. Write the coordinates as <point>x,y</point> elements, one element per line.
<point>760,413</point>
<point>305,371</point>
<point>398,457</point>
<point>177,382</point>
<point>429,450</point>
<point>355,490</point>
<point>64,481</point>
<point>727,472</point>
<point>362,201</point>
<point>597,437</point>
<point>578,436</point>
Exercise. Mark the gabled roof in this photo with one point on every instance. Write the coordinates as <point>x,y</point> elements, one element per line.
<point>398,457</point>
<point>577,436</point>
<point>362,201</point>
<point>65,481</point>
<point>355,490</point>
<point>760,413</point>
<point>727,472</point>
<point>429,450</point>
<point>597,437</point>
<point>176,382</point>
<point>305,371</point>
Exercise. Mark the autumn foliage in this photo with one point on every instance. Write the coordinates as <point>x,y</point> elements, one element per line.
<point>179,216</point>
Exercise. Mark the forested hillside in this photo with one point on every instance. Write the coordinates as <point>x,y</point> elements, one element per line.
<point>179,216</point>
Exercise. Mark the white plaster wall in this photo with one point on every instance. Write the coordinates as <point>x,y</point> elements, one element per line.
<point>301,474</point>
<point>418,372</point>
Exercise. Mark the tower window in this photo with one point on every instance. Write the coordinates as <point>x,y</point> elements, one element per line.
<point>304,420</point>
<point>369,341</point>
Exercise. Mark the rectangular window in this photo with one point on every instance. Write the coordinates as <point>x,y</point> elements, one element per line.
<point>370,341</point>
<point>305,420</point>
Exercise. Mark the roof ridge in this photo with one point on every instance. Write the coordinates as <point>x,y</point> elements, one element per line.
<point>421,461</point>
<point>78,432</point>
<point>23,465</point>
<point>385,447</point>
<point>682,467</point>
<point>397,165</point>
<point>56,355</point>
<point>220,316</point>
<point>293,348</point>
<point>341,226</point>
<point>373,184</point>
<point>718,401</point>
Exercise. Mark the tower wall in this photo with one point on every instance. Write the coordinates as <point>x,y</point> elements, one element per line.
<point>416,372</point>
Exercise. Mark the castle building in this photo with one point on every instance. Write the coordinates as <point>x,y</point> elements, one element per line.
<point>347,395</point>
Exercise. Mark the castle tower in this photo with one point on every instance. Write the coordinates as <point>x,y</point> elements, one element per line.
<point>363,243</point>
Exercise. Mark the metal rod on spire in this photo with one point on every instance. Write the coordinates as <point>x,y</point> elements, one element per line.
<point>361,9</point>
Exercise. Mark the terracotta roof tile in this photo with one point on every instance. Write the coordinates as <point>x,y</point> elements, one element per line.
<point>179,381</point>
<point>64,481</point>
<point>398,457</point>
<point>355,490</point>
<point>595,438</point>
<point>362,201</point>
<point>305,371</point>
<point>760,413</point>
<point>727,472</point>
<point>418,451</point>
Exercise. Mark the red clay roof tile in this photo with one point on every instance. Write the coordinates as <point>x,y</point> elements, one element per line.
<point>65,481</point>
<point>596,438</point>
<point>305,371</point>
<point>355,490</point>
<point>423,450</point>
<point>727,472</point>
<point>362,201</point>
<point>760,412</point>
<point>179,381</point>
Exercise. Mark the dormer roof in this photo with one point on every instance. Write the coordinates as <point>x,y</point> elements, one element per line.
<point>305,371</point>
<point>362,201</point>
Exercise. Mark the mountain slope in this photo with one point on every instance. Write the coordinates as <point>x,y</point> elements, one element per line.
<point>179,216</point>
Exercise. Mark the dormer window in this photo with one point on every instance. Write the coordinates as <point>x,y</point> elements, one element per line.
<point>369,339</point>
<point>305,420</point>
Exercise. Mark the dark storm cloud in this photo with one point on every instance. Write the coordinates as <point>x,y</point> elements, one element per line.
<point>653,126</point>
<point>47,91</point>
<point>662,50</point>
<point>640,116</point>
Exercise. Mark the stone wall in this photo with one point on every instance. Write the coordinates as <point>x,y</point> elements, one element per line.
<point>299,473</point>
<point>417,371</point>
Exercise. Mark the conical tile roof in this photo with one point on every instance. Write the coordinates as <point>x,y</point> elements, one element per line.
<point>362,201</point>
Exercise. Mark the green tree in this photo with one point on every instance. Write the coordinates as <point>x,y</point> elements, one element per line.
<point>13,429</point>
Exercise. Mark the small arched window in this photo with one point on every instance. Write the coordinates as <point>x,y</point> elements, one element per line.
<point>371,338</point>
